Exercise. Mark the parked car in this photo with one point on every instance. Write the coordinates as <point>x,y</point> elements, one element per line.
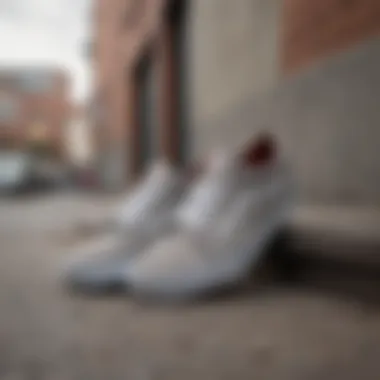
<point>14,171</point>
<point>22,171</point>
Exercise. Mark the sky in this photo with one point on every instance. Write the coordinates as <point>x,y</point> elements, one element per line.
<point>48,32</point>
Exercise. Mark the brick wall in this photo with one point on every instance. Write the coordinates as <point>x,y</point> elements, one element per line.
<point>316,28</point>
<point>50,110</point>
<point>125,32</point>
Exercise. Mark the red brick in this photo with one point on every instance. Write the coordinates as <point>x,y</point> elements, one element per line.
<point>314,29</point>
<point>125,31</point>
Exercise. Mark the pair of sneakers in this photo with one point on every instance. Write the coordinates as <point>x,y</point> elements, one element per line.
<point>178,238</point>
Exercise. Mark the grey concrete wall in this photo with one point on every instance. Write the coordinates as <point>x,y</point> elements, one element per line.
<point>328,122</point>
<point>233,52</point>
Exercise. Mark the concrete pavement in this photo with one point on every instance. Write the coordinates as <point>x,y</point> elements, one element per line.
<point>265,332</point>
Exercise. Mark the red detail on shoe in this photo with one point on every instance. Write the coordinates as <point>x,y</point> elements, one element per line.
<point>261,150</point>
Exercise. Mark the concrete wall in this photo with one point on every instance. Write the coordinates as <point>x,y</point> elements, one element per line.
<point>233,52</point>
<point>328,122</point>
<point>327,117</point>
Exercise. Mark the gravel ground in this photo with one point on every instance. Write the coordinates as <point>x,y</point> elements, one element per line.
<point>267,333</point>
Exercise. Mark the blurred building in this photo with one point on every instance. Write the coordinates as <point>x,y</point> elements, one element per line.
<point>34,108</point>
<point>179,77</point>
<point>79,139</point>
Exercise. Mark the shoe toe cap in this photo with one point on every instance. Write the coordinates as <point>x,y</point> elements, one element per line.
<point>169,269</point>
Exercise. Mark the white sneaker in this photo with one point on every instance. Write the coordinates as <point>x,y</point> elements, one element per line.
<point>146,214</point>
<point>224,224</point>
